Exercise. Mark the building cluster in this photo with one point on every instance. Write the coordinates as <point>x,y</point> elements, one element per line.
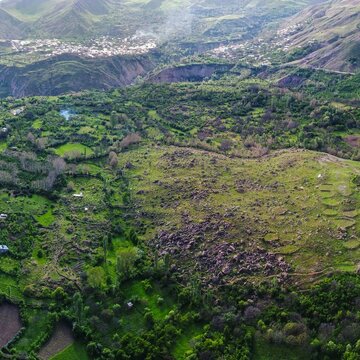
<point>253,52</point>
<point>100,47</point>
<point>260,51</point>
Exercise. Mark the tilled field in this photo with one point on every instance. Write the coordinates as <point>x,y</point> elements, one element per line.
<point>10,323</point>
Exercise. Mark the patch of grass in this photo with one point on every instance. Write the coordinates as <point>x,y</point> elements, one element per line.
<point>75,351</point>
<point>346,267</point>
<point>90,169</point>
<point>158,301</point>
<point>266,351</point>
<point>288,215</point>
<point>8,264</point>
<point>326,187</point>
<point>86,130</point>
<point>39,256</point>
<point>10,287</point>
<point>351,214</point>
<point>271,237</point>
<point>327,194</point>
<point>344,223</point>
<point>38,320</point>
<point>69,148</point>
<point>35,205</point>
<point>151,299</point>
<point>352,244</point>
<point>3,146</point>
<point>287,249</point>
<point>330,212</point>
<point>154,115</point>
<point>37,124</point>
<point>184,342</point>
<point>331,202</point>
<point>46,219</point>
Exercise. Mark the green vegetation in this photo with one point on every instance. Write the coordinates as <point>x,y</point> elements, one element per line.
<point>69,150</point>
<point>46,219</point>
<point>190,220</point>
<point>265,351</point>
<point>73,352</point>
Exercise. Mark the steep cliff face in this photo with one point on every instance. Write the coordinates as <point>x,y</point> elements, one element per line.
<point>192,72</point>
<point>68,73</point>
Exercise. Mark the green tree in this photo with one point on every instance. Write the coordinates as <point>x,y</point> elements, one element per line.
<point>125,262</point>
<point>96,277</point>
<point>78,307</point>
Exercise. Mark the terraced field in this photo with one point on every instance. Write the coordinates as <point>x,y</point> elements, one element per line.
<point>69,150</point>
<point>252,205</point>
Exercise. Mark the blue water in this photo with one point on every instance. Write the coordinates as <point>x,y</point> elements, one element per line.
<point>66,114</point>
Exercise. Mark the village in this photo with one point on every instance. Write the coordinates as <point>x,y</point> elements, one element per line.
<point>252,52</point>
<point>263,50</point>
<point>94,48</point>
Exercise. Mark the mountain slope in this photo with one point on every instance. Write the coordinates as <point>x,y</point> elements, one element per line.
<point>29,10</point>
<point>335,29</point>
<point>10,27</point>
<point>95,7</point>
<point>59,18</point>
<point>71,19</point>
<point>214,18</point>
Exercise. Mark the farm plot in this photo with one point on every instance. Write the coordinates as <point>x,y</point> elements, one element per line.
<point>60,340</point>
<point>73,149</point>
<point>75,351</point>
<point>10,323</point>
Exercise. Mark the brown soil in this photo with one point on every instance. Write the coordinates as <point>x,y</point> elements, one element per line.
<point>61,338</point>
<point>10,323</point>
